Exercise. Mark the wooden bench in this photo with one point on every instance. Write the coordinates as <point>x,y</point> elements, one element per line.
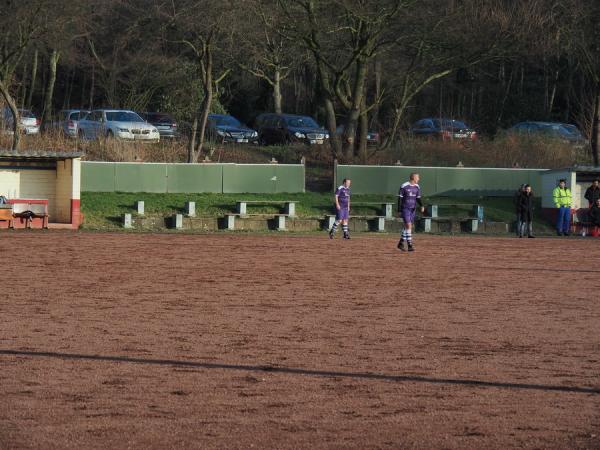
<point>289,207</point>
<point>386,208</point>
<point>6,214</point>
<point>476,211</point>
<point>30,209</point>
<point>470,222</point>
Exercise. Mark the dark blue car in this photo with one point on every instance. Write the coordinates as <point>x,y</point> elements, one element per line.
<point>565,132</point>
<point>226,128</point>
<point>288,128</point>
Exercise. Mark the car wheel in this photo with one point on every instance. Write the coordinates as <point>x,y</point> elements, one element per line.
<point>110,134</point>
<point>81,134</point>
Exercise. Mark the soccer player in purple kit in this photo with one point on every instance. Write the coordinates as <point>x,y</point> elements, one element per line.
<point>409,196</point>
<point>342,206</point>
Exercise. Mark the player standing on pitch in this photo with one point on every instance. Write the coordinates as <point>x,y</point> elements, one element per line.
<point>408,198</point>
<point>342,208</point>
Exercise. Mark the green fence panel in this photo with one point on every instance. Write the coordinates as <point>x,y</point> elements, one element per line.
<point>194,178</point>
<point>290,178</point>
<point>262,179</point>
<point>141,177</point>
<point>450,181</point>
<point>97,177</point>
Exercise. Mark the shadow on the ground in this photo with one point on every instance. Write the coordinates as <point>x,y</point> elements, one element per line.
<point>309,372</point>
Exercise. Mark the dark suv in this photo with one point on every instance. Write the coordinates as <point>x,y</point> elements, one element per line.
<point>288,128</point>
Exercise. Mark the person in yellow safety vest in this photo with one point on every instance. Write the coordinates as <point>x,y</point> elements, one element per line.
<point>562,201</point>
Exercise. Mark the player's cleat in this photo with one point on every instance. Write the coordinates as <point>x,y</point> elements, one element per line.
<point>411,248</point>
<point>401,245</point>
<point>531,236</point>
<point>346,236</point>
<point>330,235</point>
<point>559,233</point>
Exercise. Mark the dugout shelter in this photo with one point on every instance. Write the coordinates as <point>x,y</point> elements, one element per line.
<point>45,182</point>
<point>578,180</point>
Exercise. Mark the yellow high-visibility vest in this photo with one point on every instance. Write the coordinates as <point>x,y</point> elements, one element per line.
<point>562,197</point>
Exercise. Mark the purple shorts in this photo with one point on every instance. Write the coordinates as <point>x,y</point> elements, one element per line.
<point>342,214</point>
<point>408,215</point>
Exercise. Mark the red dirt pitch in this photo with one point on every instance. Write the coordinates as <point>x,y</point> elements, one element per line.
<point>240,341</point>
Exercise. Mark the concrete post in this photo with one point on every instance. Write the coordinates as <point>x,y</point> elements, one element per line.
<point>426,224</point>
<point>388,210</point>
<point>178,221</point>
<point>230,222</point>
<point>280,223</point>
<point>190,209</point>
<point>330,221</point>
<point>241,208</point>
<point>432,210</point>
<point>139,205</point>
<point>381,224</point>
<point>290,209</point>
<point>127,223</point>
<point>478,212</point>
<point>473,225</point>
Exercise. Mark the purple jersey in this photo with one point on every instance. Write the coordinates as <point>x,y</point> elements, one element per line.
<point>409,193</point>
<point>343,195</point>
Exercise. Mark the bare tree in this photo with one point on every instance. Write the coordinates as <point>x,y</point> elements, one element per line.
<point>19,29</point>
<point>201,34</point>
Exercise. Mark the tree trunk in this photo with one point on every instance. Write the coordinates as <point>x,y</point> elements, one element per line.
<point>277,98</point>
<point>204,110</point>
<point>33,78</point>
<point>363,130</point>
<point>358,90</point>
<point>15,112</point>
<point>375,116</point>
<point>23,94</point>
<point>92,87</point>
<point>47,113</point>
<point>595,140</point>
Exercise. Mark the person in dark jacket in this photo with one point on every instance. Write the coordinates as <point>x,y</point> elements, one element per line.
<point>593,193</point>
<point>594,213</point>
<point>525,212</point>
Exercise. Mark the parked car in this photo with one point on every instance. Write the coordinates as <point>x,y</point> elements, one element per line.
<point>164,123</point>
<point>226,128</point>
<point>288,128</point>
<point>118,124</point>
<point>68,120</point>
<point>444,129</point>
<point>28,123</point>
<point>372,136</point>
<point>565,132</point>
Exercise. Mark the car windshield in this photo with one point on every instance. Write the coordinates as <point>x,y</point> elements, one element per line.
<point>301,122</point>
<point>226,121</point>
<point>449,123</point>
<point>122,116</point>
<point>159,118</point>
<point>78,115</point>
<point>571,129</point>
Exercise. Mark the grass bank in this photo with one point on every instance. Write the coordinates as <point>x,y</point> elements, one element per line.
<point>104,211</point>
